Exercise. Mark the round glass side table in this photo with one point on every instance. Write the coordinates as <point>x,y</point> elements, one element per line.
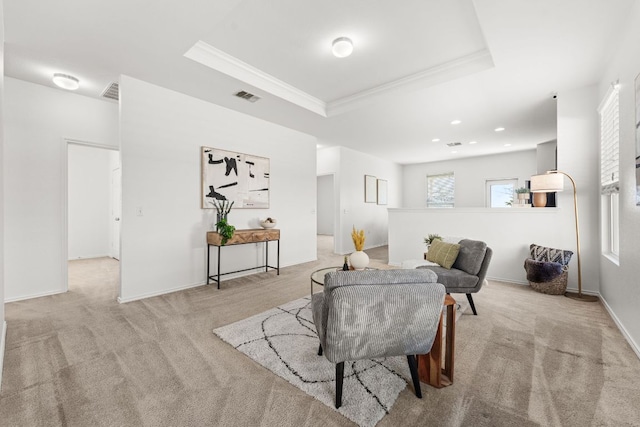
<point>317,276</point>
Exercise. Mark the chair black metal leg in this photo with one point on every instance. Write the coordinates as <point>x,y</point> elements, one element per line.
<point>413,367</point>
<point>339,377</point>
<point>320,350</point>
<point>473,307</point>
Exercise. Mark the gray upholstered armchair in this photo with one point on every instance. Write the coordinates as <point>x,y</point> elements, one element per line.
<point>377,313</point>
<point>468,272</point>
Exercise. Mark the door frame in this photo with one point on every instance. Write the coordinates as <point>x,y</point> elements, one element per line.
<point>65,201</point>
<point>119,169</point>
<point>336,209</point>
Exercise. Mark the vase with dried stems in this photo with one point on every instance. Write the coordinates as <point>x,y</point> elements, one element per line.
<point>359,259</point>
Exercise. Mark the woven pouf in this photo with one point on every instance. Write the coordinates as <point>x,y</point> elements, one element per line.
<point>557,286</point>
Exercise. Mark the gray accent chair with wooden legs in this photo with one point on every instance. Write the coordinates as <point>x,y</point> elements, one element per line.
<point>468,273</point>
<point>377,313</point>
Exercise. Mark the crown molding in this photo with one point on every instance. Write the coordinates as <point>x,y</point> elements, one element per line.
<point>216,59</point>
<point>221,61</point>
<point>459,67</point>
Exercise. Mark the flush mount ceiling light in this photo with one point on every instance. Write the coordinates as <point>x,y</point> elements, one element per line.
<point>500,129</point>
<point>456,122</point>
<point>342,47</point>
<point>66,81</point>
<point>473,142</point>
<point>435,140</point>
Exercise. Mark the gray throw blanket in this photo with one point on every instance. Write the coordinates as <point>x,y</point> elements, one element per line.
<point>542,271</point>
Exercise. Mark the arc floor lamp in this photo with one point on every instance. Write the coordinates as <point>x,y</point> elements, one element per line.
<point>551,182</point>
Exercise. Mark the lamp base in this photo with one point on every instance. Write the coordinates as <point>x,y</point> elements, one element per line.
<point>539,200</point>
<point>581,297</point>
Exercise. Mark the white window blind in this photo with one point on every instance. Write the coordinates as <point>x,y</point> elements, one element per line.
<point>440,190</point>
<point>609,143</point>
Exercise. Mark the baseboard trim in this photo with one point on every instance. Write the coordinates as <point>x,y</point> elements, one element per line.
<point>194,285</point>
<point>634,346</point>
<point>158,293</point>
<point>515,282</point>
<point>24,297</point>
<point>594,293</point>
<point>79,258</point>
<point>2,347</point>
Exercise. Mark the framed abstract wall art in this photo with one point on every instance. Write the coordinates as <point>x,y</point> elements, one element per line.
<point>236,177</point>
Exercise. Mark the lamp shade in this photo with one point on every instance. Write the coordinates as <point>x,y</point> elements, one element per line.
<point>547,183</point>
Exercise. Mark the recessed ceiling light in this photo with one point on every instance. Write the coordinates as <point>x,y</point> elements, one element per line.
<point>66,81</point>
<point>453,152</point>
<point>456,122</point>
<point>500,129</point>
<point>342,47</point>
<point>507,145</point>
<point>473,142</point>
<point>435,140</point>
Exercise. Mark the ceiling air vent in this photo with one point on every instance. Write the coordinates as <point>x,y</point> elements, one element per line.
<point>112,92</point>
<point>248,96</point>
<point>454,144</point>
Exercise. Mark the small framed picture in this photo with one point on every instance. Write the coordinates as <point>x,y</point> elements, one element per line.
<point>382,191</point>
<point>369,189</point>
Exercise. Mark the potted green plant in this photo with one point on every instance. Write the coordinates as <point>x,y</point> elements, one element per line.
<point>523,193</point>
<point>223,207</point>
<point>225,230</point>
<point>430,238</point>
<point>523,196</point>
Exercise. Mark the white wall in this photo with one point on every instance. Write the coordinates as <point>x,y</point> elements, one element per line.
<point>349,168</point>
<point>619,283</point>
<point>89,218</point>
<point>35,186</point>
<point>546,156</point>
<point>508,232</point>
<point>578,155</point>
<point>326,208</point>
<point>3,325</point>
<point>161,134</point>
<point>471,175</point>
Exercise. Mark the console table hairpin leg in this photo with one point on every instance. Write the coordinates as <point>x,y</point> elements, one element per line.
<point>243,237</point>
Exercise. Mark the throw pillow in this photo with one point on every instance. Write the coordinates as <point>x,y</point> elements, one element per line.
<point>543,253</point>
<point>471,256</point>
<point>443,254</point>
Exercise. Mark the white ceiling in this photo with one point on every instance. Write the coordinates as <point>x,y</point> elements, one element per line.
<point>417,64</point>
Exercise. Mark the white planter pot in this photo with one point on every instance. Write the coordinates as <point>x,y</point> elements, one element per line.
<point>359,260</point>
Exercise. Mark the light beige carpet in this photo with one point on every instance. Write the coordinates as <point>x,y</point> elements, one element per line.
<point>81,359</point>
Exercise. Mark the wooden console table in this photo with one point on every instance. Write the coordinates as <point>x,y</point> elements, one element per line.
<point>241,237</point>
<point>430,368</point>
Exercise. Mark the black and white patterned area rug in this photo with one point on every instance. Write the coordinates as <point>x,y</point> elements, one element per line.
<point>284,341</point>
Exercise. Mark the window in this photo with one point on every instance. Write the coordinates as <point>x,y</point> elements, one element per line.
<point>500,192</point>
<point>440,190</point>
<point>609,171</point>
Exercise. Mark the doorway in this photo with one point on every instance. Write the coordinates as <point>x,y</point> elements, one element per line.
<point>325,216</point>
<point>93,204</point>
<point>325,203</point>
